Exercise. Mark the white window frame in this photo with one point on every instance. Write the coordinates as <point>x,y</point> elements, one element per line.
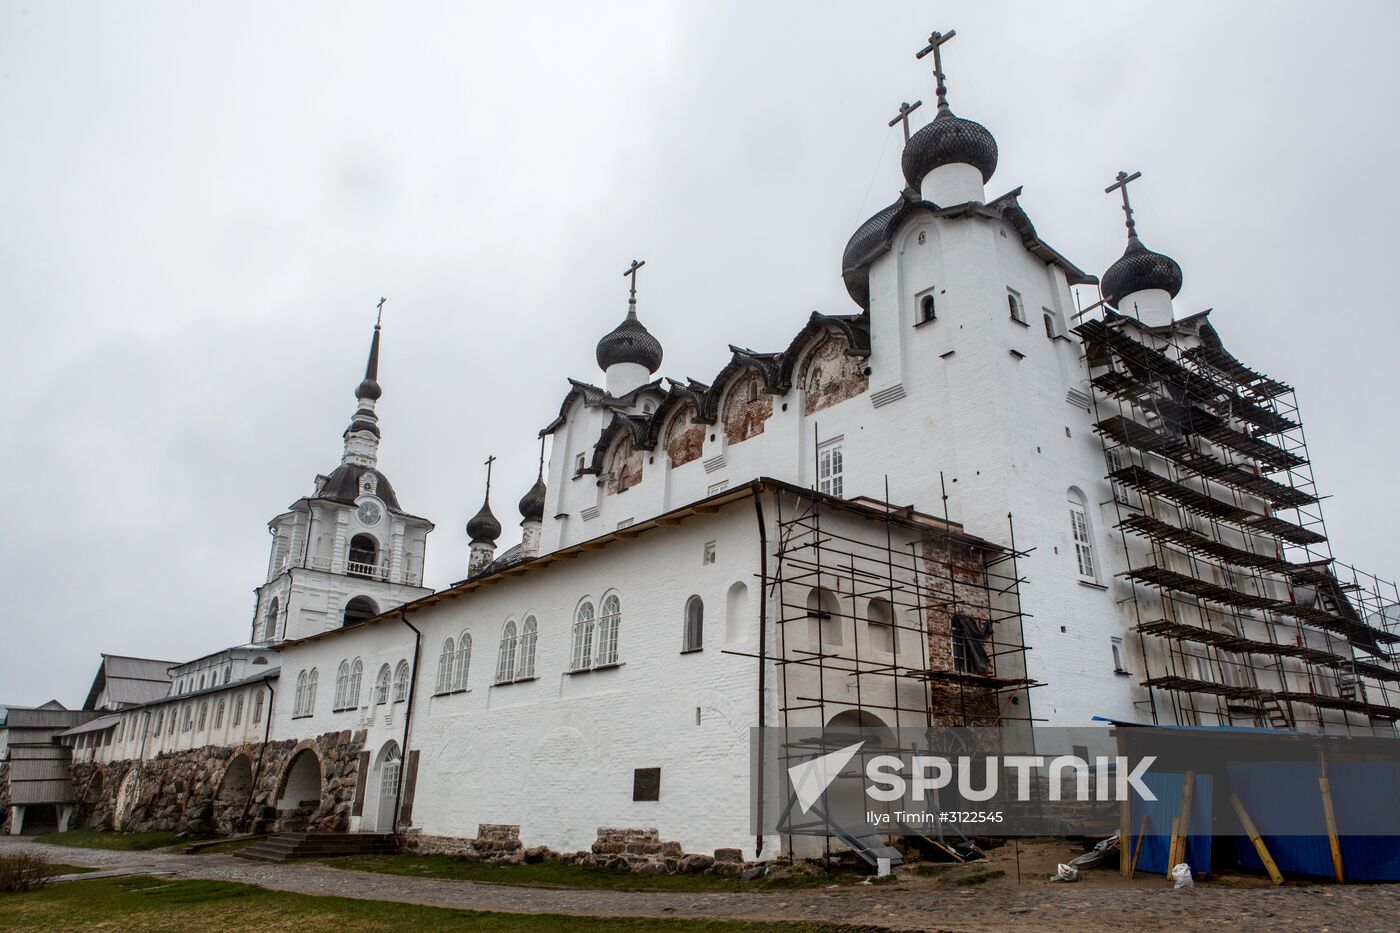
<point>609,621</point>
<point>582,656</point>
<point>506,652</point>
<point>444,669</point>
<point>401,682</point>
<point>529,634</point>
<point>1015,305</point>
<point>381,685</point>
<point>1120,658</point>
<point>831,469</point>
<point>461,662</point>
<point>1082,535</point>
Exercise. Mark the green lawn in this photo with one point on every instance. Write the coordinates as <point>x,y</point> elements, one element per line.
<point>566,875</point>
<point>155,905</point>
<point>99,839</point>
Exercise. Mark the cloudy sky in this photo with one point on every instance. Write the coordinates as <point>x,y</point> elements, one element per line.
<point>200,205</point>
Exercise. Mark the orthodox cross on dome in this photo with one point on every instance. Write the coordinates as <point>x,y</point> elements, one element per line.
<point>541,473</point>
<point>380,315</point>
<point>1122,185</point>
<point>491,459</point>
<point>935,45</point>
<point>632,292</point>
<point>905,109</point>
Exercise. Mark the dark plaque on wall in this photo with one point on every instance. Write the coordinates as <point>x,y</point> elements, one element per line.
<point>646,784</point>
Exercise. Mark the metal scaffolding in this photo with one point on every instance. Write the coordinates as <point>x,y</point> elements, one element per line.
<point>1229,565</point>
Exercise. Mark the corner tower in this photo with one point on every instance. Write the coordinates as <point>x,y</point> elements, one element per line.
<point>348,551</point>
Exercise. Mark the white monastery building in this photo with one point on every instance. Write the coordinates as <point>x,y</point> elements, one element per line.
<point>960,501</point>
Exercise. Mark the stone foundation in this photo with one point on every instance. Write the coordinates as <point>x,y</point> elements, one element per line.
<point>641,851</point>
<point>199,791</point>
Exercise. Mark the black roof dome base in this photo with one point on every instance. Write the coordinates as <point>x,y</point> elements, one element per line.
<point>1137,269</point>
<point>946,140</point>
<point>630,342</point>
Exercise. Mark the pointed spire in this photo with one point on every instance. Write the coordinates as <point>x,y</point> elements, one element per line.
<point>369,387</point>
<point>362,436</point>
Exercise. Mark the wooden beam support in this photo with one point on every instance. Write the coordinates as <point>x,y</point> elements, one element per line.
<point>1274,874</point>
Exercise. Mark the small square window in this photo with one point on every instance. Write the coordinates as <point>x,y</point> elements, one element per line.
<point>580,463</point>
<point>646,784</point>
<point>709,552</point>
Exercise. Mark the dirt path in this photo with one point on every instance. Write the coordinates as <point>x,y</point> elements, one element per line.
<point>1103,900</point>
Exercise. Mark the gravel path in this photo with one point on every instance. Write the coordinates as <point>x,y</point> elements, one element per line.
<point>1103,900</point>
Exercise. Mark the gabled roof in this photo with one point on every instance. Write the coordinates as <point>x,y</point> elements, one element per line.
<point>129,680</point>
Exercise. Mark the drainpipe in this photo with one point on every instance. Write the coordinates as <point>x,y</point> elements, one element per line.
<point>257,767</point>
<point>407,715</point>
<point>762,651</point>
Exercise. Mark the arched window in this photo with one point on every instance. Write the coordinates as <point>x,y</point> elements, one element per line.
<point>228,672</point>
<point>926,309</point>
<point>694,624</point>
<point>824,611</point>
<point>352,693</point>
<point>880,618</point>
<point>462,662</point>
<point>1051,330</point>
<point>311,692</point>
<point>583,638</point>
<point>401,682</point>
<point>270,623</point>
<point>203,715</point>
<point>364,552</point>
<point>299,702</point>
<point>381,686</point>
<point>258,706</point>
<point>238,711</point>
<point>528,634</point>
<point>607,630</point>
<point>1082,532</point>
<point>444,671</point>
<point>219,715</point>
<point>359,609</point>
<point>342,684</point>
<point>160,722</point>
<point>505,657</point>
<point>189,717</point>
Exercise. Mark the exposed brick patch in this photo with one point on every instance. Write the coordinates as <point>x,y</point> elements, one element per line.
<point>625,466</point>
<point>958,575</point>
<point>746,408</point>
<point>685,440</point>
<point>829,374</point>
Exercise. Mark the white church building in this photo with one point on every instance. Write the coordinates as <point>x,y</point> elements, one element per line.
<point>962,501</point>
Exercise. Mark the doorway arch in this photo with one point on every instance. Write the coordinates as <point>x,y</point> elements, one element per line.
<point>384,786</point>
<point>299,790</point>
<point>235,788</point>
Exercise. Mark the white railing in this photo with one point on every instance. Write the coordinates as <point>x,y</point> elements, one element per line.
<point>350,567</point>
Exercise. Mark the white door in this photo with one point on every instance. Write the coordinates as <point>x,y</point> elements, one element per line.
<point>388,792</point>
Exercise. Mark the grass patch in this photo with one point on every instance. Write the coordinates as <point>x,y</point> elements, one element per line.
<point>569,875</point>
<point>98,839</point>
<point>155,905</point>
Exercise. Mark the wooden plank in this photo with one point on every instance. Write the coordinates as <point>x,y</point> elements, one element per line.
<point>1172,844</point>
<point>1142,834</point>
<point>1274,874</point>
<point>1125,825</point>
<point>1325,786</point>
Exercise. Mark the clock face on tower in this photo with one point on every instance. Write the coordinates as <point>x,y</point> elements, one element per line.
<point>367,513</point>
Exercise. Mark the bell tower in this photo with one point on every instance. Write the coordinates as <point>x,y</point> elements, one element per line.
<point>348,551</point>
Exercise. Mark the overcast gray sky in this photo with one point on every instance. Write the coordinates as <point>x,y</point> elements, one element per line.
<point>200,205</point>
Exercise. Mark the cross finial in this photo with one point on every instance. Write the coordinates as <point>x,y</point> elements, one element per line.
<point>632,292</point>
<point>380,315</point>
<point>1121,184</point>
<point>489,461</point>
<point>905,109</point>
<point>541,474</point>
<point>935,45</point>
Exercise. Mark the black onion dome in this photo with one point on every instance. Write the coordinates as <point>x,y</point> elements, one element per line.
<point>343,485</point>
<point>947,140</point>
<point>630,342</point>
<point>1139,268</point>
<point>532,505</point>
<point>361,425</point>
<point>483,526</point>
<point>855,269</point>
